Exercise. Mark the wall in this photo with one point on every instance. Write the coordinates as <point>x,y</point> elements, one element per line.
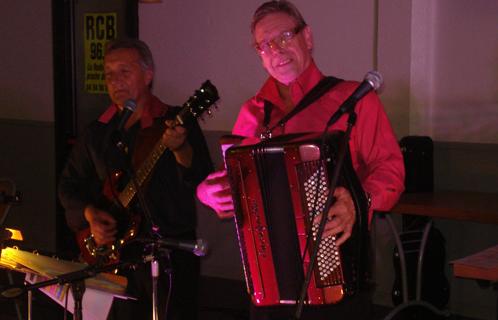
<point>454,70</point>
<point>26,64</point>
<point>26,118</point>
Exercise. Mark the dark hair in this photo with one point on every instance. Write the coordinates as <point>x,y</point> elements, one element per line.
<point>277,6</point>
<point>142,48</point>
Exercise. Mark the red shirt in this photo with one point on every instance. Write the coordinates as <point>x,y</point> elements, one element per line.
<point>375,152</point>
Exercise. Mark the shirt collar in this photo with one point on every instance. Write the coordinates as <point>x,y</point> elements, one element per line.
<point>152,110</point>
<point>299,87</point>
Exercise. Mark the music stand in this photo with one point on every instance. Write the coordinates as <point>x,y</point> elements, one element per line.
<point>8,196</point>
<point>54,277</point>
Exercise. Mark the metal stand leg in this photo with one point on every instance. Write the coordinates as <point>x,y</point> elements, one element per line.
<point>495,288</point>
<point>154,269</point>
<point>18,307</point>
<point>153,258</point>
<point>78,289</point>
<point>30,305</point>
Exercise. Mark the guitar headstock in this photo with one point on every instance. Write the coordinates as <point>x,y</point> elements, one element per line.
<point>200,102</point>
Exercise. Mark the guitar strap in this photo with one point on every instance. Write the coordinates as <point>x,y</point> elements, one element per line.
<point>322,87</point>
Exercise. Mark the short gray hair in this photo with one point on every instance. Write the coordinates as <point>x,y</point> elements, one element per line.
<point>277,6</point>
<point>146,59</point>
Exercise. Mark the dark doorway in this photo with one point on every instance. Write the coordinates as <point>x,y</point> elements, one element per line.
<point>80,29</point>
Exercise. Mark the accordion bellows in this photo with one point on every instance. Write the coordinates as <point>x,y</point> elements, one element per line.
<point>278,185</point>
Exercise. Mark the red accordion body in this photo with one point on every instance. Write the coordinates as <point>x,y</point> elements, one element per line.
<point>277,186</point>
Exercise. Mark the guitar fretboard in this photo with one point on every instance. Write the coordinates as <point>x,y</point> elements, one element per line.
<point>142,173</point>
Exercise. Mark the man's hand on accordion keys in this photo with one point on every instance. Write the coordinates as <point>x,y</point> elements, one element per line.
<point>215,192</point>
<point>340,217</point>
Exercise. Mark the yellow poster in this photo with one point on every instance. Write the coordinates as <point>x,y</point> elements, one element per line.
<point>99,28</point>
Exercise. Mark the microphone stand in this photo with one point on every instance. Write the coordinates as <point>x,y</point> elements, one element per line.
<point>78,289</point>
<point>153,256</point>
<point>329,202</point>
<point>154,272</point>
<point>123,147</point>
<point>155,249</point>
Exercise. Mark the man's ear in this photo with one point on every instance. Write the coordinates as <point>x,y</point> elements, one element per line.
<point>149,76</point>
<point>308,37</point>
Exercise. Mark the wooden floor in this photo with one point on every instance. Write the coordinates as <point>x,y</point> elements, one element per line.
<point>220,299</point>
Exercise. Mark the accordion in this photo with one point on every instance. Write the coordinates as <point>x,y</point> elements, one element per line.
<point>278,185</point>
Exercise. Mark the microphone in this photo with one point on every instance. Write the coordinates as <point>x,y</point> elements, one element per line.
<point>373,80</point>
<point>129,107</point>
<point>198,247</point>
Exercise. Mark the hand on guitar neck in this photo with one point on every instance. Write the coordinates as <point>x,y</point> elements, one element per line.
<point>102,225</point>
<point>175,139</point>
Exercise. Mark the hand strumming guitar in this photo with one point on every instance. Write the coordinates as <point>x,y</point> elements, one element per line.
<point>102,225</point>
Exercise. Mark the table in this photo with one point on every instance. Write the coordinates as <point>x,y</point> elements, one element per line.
<point>457,205</point>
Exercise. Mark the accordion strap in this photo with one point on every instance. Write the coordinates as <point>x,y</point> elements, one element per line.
<point>314,94</point>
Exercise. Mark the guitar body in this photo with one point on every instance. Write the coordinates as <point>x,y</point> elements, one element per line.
<point>117,195</point>
<point>127,222</point>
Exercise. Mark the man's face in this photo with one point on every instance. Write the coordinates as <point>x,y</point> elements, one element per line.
<point>125,77</point>
<point>285,63</point>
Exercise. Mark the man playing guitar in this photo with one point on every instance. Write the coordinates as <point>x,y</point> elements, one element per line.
<point>110,153</point>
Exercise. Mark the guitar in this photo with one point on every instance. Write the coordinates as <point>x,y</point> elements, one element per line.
<point>117,203</point>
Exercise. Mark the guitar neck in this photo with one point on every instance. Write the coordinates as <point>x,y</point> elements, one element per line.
<point>195,106</point>
<point>129,192</point>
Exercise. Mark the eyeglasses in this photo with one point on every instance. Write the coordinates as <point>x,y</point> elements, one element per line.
<point>281,41</point>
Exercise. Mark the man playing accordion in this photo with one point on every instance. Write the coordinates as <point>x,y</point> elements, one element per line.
<point>284,44</point>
